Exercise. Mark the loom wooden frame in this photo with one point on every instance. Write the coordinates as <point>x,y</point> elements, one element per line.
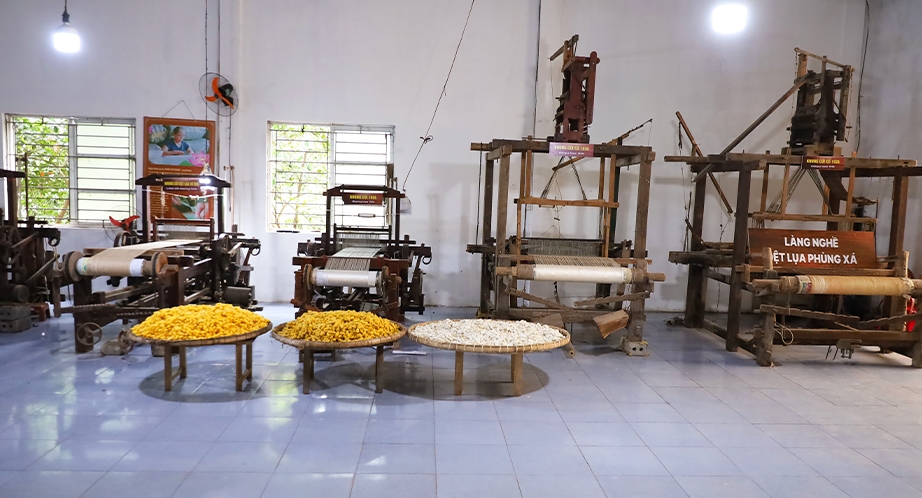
<point>501,300</point>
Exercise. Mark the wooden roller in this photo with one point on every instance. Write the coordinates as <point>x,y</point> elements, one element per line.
<point>856,286</point>
<point>589,274</point>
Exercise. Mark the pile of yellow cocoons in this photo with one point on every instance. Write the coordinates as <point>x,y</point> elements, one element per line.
<point>338,326</point>
<point>196,322</point>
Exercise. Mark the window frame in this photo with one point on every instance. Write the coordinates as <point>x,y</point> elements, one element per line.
<point>73,163</point>
<point>332,129</point>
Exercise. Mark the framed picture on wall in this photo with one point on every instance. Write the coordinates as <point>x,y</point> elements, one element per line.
<point>179,147</point>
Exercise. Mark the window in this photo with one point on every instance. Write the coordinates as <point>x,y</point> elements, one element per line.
<point>306,159</point>
<point>77,169</point>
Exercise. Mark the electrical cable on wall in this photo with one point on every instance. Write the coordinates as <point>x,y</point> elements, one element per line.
<point>534,114</point>
<point>426,138</point>
<point>864,55</point>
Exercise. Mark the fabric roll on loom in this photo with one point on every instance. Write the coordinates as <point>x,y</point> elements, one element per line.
<point>122,261</point>
<point>553,268</point>
<point>348,268</point>
<point>854,286</point>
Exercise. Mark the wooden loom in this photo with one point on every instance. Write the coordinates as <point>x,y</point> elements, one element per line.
<point>346,263</point>
<point>784,266</point>
<point>509,261</point>
<point>160,273</point>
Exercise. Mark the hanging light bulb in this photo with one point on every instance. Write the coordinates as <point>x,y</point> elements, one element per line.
<point>66,38</point>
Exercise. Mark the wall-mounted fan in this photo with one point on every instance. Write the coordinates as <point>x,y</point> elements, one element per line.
<point>218,93</point>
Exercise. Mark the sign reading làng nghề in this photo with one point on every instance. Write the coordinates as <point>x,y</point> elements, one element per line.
<point>813,248</point>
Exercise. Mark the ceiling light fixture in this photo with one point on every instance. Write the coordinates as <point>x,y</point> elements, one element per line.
<point>66,39</point>
<point>729,18</point>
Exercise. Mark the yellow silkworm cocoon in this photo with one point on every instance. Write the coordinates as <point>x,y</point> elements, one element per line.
<point>338,326</point>
<point>196,321</point>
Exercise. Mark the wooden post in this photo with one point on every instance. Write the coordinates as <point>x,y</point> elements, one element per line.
<point>250,360</point>
<point>182,362</point>
<point>696,293</point>
<point>167,367</point>
<point>898,215</point>
<point>638,316</point>
<point>740,239</point>
<point>239,366</point>
<point>307,373</point>
<point>486,276</point>
<point>785,185</point>
<point>765,342</point>
<point>502,217</point>
<point>459,372</point>
<point>517,374</point>
<point>519,207</point>
<point>379,369</point>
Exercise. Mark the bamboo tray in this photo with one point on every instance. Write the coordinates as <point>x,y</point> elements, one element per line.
<point>243,343</point>
<point>308,348</point>
<point>515,351</point>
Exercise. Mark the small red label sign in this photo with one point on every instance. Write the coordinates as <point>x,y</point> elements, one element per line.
<point>823,162</point>
<point>374,199</point>
<point>570,150</point>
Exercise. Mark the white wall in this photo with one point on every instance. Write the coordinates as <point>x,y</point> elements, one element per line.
<point>891,123</point>
<point>371,62</point>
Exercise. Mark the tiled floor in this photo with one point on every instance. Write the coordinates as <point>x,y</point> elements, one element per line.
<point>689,420</point>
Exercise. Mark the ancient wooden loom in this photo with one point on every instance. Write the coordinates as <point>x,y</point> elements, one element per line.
<point>176,262</point>
<point>363,268</point>
<point>26,264</point>
<point>510,261</point>
<point>804,281</point>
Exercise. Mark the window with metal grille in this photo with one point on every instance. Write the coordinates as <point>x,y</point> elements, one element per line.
<point>307,159</point>
<point>77,169</point>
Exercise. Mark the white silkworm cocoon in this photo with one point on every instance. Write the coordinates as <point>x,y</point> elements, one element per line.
<point>488,332</point>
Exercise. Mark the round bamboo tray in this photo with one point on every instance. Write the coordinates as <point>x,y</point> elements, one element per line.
<point>322,346</point>
<point>471,348</point>
<point>231,339</point>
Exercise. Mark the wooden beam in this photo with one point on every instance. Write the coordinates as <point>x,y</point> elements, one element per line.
<point>537,299</point>
<point>540,201</point>
<point>614,299</point>
<point>815,315</point>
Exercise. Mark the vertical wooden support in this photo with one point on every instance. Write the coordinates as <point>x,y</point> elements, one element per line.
<point>851,196</point>
<point>898,215</point>
<point>167,367</point>
<point>459,372</point>
<point>239,366</point>
<point>307,372</point>
<point>696,292</point>
<point>740,243</point>
<point>486,276</point>
<point>614,188</point>
<point>517,374</point>
<point>638,316</point>
<point>502,218</point>
<point>606,212</point>
<point>182,362</point>
<point>249,365</point>
<point>765,340</point>
<point>763,204</point>
<point>379,369</point>
<point>785,185</point>
<point>519,207</point>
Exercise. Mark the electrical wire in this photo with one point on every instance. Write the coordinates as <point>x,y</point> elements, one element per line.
<point>534,114</point>
<point>426,138</point>
<point>864,55</point>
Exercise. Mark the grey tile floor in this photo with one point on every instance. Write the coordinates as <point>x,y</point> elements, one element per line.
<point>689,420</point>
